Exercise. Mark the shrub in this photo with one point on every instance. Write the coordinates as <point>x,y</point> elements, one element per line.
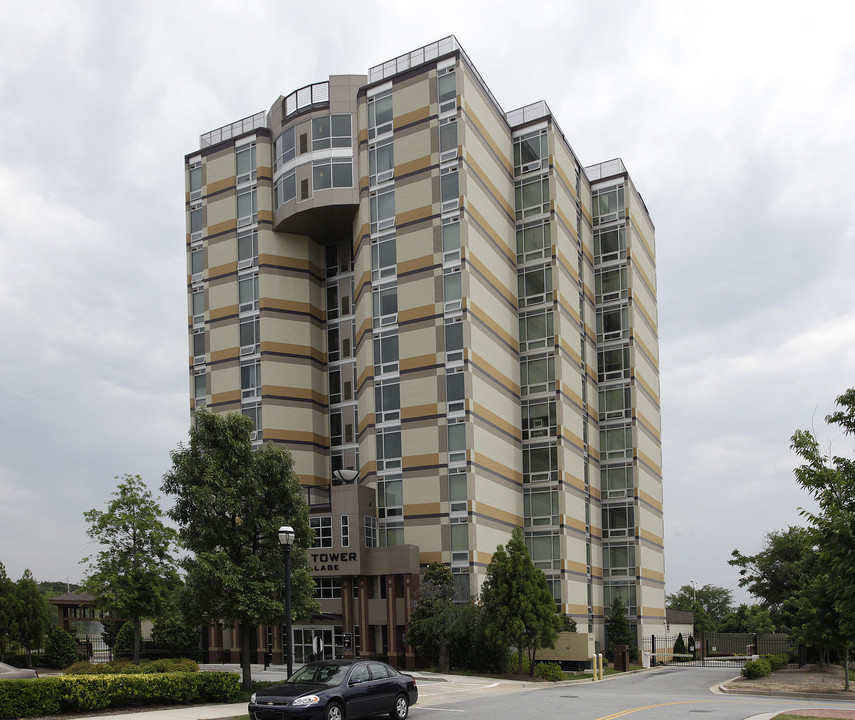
<point>124,643</point>
<point>126,667</point>
<point>778,661</point>
<point>756,669</point>
<point>513,662</point>
<point>60,648</point>
<point>29,698</point>
<point>549,671</point>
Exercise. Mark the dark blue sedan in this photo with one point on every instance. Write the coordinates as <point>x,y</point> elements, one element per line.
<point>337,689</point>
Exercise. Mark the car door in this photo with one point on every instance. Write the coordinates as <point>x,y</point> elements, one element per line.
<point>385,687</point>
<point>359,693</point>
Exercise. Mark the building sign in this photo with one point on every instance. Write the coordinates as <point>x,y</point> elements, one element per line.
<point>334,562</point>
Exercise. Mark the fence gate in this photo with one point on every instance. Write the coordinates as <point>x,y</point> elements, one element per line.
<point>712,649</point>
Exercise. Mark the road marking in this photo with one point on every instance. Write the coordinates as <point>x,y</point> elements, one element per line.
<point>628,711</point>
<point>438,709</point>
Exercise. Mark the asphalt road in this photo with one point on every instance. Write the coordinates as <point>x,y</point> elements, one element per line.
<point>665,694</point>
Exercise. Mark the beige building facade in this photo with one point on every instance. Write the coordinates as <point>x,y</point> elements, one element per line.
<point>398,280</point>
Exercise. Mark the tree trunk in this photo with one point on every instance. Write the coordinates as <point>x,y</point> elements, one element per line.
<point>246,670</point>
<point>846,668</point>
<point>137,632</point>
<point>443,655</point>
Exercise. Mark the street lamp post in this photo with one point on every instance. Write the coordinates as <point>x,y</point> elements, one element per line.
<point>286,540</point>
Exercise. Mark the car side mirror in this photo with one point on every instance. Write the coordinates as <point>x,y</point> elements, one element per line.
<point>354,681</point>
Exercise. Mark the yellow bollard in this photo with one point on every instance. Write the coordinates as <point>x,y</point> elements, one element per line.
<point>600,656</point>
<point>594,667</point>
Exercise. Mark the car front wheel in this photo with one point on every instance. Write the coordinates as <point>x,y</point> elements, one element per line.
<point>402,708</point>
<point>334,712</point>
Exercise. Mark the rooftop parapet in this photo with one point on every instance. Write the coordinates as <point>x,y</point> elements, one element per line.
<point>235,129</point>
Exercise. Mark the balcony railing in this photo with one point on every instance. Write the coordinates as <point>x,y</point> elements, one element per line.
<point>235,129</point>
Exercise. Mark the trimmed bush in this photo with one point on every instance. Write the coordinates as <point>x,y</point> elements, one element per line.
<point>756,669</point>
<point>549,671</point>
<point>60,648</point>
<point>146,667</point>
<point>778,661</point>
<point>91,693</point>
<point>513,663</point>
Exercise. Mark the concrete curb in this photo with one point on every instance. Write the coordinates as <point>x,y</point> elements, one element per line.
<point>832,695</point>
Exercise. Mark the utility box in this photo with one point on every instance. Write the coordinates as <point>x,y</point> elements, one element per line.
<point>621,658</point>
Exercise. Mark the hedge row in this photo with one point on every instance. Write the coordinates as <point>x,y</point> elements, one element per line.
<point>92,693</point>
<point>115,667</point>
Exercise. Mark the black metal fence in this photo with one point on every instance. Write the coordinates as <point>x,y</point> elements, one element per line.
<point>95,650</point>
<point>706,649</point>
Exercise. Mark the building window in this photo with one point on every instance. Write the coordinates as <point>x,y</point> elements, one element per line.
<point>245,168</point>
<point>538,419</point>
<point>540,507</point>
<point>386,354</point>
<point>382,205</point>
<point>607,205</point>
<point>618,560</point>
<point>248,293</point>
<point>331,131</point>
<point>247,241</point>
<point>253,412</point>
<point>391,536</point>
<point>381,163</point>
<point>198,346</point>
<point>612,324</point>
<point>383,259</point>
<point>332,173</point>
<point>610,284</point>
<point>615,403</point>
<point>613,364</point>
<point>200,387</point>
<point>531,152</point>
<point>626,592</point>
<point>247,207</point>
<point>323,531</point>
<point>379,115</point>
<point>195,180</point>
<point>197,264</point>
<point>249,336</point>
<point>616,443</point>
<point>537,375</point>
<point>455,392</point>
<point>609,245</point>
<point>618,521</point>
<point>447,91</point>
<point>453,341</point>
<point>616,481</point>
<point>449,189</point>
<point>285,189</point>
<point>284,149</point>
<point>345,531</point>
<point>198,306</point>
<point>390,497</point>
<point>387,402</point>
<point>540,463</point>
<point>448,145</point>
<point>534,286</point>
<point>459,543</point>
<point>327,588</point>
<point>532,198</point>
<point>196,222</point>
<point>534,242</point>
<point>457,443</point>
<point>450,243</point>
<point>385,306</point>
<point>457,493</point>
<point>370,531</point>
<point>452,289</point>
<point>250,379</point>
<point>388,450</point>
<point>536,331</point>
<point>544,549</point>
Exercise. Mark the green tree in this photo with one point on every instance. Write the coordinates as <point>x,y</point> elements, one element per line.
<point>60,648</point>
<point>710,604</point>
<point>748,619</point>
<point>32,616</point>
<point>830,480</point>
<point>519,607</point>
<point>680,645</point>
<point>776,574</point>
<point>433,616</point>
<point>134,574</point>
<point>8,611</point>
<point>230,500</point>
<point>618,629</point>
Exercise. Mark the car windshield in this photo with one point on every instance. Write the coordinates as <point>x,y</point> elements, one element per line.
<point>320,674</point>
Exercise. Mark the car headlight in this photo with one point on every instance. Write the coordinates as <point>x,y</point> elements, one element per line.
<point>307,700</point>
<point>252,698</point>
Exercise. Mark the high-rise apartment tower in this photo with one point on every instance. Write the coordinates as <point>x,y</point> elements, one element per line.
<point>437,309</point>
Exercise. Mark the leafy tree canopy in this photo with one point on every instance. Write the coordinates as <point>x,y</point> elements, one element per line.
<point>518,604</point>
<point>618,628</point>
<point>710,603</point>
<point>31,614</point>
<point>230,500</point>
<point>748,619</point>
<point>134,573</point>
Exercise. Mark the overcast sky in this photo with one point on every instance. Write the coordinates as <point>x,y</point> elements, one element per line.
<point>735,120</point>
